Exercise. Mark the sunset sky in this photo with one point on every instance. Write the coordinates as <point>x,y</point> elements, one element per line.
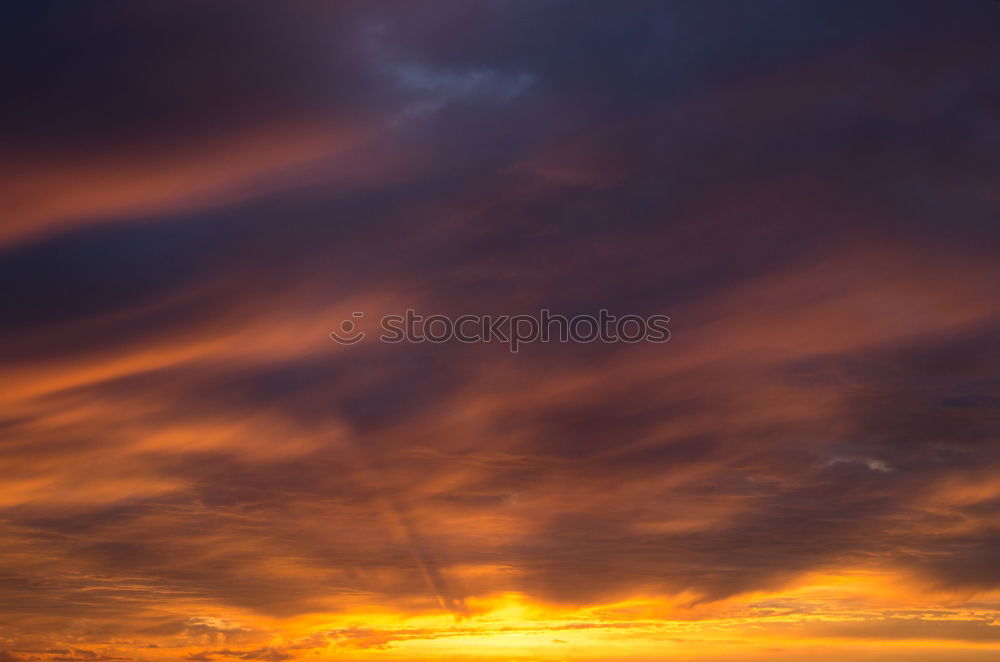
<point>195,194</point>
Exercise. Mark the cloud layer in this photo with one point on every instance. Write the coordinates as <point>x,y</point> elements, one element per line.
<point>197,194</point>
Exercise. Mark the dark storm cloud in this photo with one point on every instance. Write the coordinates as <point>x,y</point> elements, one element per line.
<point>120,72</point>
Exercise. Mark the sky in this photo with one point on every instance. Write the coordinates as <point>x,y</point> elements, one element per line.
<point>196,194</point>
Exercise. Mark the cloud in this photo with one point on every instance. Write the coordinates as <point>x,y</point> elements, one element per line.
<point>192,470</point>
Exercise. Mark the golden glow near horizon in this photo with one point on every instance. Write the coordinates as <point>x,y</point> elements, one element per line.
<point>828,617</point>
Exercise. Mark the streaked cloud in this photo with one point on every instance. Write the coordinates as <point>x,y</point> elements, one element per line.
<point>807,471</point>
